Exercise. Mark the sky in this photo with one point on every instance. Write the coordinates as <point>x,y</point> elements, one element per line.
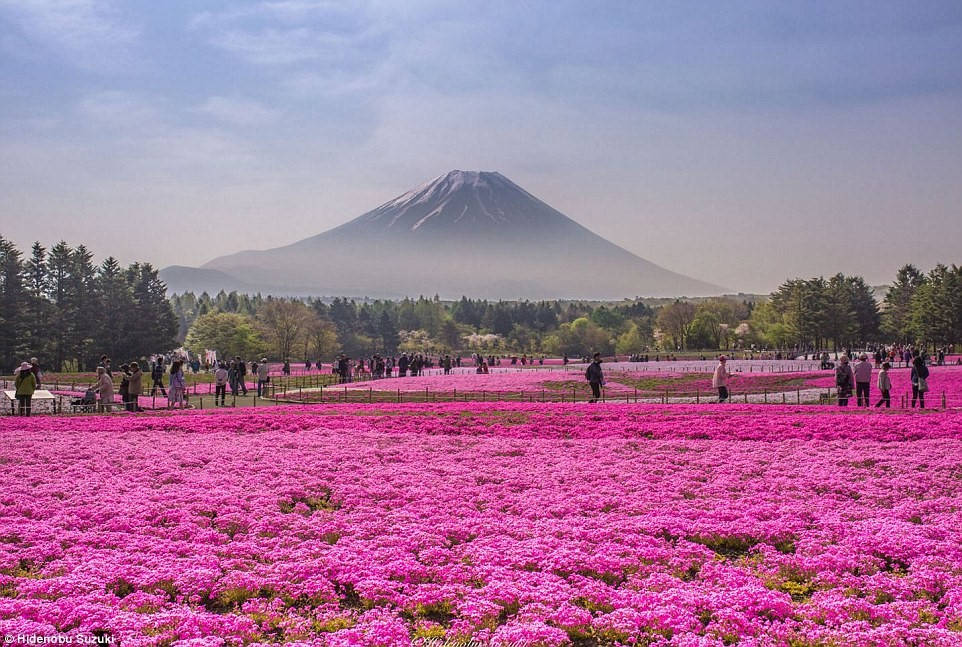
<point>741,143</point>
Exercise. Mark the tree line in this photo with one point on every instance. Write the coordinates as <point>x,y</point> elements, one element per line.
<point>59,307</point>
<point>818,313</point>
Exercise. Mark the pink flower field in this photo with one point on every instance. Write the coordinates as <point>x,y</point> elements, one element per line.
<point>507,524</point>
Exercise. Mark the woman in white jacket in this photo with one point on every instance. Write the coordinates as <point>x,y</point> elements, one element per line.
<point>719,380</point>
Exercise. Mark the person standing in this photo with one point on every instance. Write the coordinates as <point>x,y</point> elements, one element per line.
<point>719,380</point>
<point>220,384</point>
<point>844,380</point>
<point>920,380</point>
<point>157,377</point>
<point>134,387</point>
<point>105,388</point>
<point>124,389</point>
<point>25,384</point>
<point>885,386</point>
<point>263,377</point>
<point>178,385</point>
<point>595,377</point>
<point>232,378</point>
<point>863,380</point>
<point>35,369</point>
<point>241,375</point>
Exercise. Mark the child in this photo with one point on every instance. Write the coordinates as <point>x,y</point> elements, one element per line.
<point>885,385</point>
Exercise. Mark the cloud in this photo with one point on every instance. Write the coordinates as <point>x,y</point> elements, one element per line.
<point>239,112</point>
<point>288,32</point>
<point>86,33</point>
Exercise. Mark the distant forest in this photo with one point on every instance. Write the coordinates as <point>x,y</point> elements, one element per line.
<point>58,306</point>
<point>818,313</point>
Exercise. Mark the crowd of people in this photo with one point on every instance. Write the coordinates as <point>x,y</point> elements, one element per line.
<point>167,374</point>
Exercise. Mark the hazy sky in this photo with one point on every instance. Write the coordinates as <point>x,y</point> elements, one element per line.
<point>737,142</point>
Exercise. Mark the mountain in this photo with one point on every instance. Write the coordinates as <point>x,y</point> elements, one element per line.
<point>464,233</point>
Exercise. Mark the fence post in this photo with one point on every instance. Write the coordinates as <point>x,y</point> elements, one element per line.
<point>766,396</point>
<point>697,395</point>
<point>943,399</point>
<point>798,396</point>
<point>636,395</point>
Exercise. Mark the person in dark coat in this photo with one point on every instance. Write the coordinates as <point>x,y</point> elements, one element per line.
<point>595,377</point>
<point>919,379</point>
<point>844,380</point>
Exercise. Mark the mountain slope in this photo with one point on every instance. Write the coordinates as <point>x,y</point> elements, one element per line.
<point>466,232</point>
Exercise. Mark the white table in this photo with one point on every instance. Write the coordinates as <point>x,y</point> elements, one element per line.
<point>43,401</point>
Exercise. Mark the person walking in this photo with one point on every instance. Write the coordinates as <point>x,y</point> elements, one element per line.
<point>885,386</point>
<point>920,380</point>
<point>134,387</point>
<point>157,377</point>
<point>863,380</point>
<point>25,384</point>
<point>719,380</point>
<point>178,385</point>
<point>104,387</point>
<point>263,377</point>
<point>595,377</point>
<point>844,380</point>
<point>220,384</point>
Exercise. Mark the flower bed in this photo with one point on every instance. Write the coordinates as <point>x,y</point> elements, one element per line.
<point>511,524</point>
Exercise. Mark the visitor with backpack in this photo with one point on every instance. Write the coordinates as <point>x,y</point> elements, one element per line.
<point>25,384</point>
<point>844,380</point>
<point>595,377</point>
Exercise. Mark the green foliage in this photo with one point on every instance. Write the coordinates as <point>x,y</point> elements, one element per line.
<point>231,334</point>
<point>62,309</point>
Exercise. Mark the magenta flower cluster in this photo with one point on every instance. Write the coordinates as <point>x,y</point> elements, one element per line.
<point>517,524</point>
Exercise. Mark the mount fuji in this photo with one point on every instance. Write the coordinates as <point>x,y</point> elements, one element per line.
<point>471,233</point>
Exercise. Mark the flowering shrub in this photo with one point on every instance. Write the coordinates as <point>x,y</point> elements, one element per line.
<point>506,524</point>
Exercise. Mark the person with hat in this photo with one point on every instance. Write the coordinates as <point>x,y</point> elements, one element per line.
<point>35,368</point>
<point>844,380</point>
<point>26,384</point>
<point>719,379</point>
<point>263,377</point>
<point>863,380</point>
